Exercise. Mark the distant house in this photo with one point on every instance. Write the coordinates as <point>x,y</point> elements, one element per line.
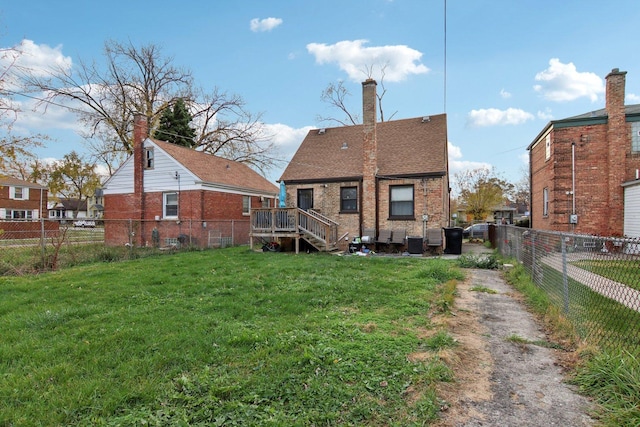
<point>371,179</point>
<point>584,169</point>
<point>67,209</point>
<point>22,200</point>
<point>167,191</point>
<point>95,204</point>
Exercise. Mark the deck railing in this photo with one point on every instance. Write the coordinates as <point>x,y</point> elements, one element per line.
<point>284,221</point>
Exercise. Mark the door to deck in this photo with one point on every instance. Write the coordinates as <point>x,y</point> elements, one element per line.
<point>305,198</point>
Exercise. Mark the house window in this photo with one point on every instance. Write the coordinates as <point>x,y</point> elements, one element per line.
<point>635,137</point>
<point>19,193</point>
<point>18,214</point>
<point>246,205</point>
<point>547,147</point>
<point>148,158</point>
<point>401,202</point>
<point>170,205</point>
<point>545,202</point>
<point>348,199</point>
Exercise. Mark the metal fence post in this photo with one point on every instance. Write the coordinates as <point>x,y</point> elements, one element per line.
<point>565,279</point>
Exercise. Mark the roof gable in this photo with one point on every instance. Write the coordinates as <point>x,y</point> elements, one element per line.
<point>216,170</point>
<point>15,182</point>
<point>408,147</point>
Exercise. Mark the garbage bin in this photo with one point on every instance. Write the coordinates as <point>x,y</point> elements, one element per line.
<point>414,245</point>
<point>453,239</point>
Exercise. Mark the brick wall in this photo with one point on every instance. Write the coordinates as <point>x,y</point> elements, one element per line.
<point>193,205</point>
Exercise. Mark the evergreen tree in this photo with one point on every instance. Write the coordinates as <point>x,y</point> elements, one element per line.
<point>174,126</point>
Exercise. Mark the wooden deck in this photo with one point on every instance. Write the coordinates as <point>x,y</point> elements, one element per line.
<point>274,223</point>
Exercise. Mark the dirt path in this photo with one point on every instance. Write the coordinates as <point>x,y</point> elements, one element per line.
<point>501,382</point>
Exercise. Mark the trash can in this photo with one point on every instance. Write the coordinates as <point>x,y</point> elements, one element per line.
<point>414,245</point>
<point>453,239</point>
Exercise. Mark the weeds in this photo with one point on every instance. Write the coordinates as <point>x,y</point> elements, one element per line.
<point>488,262</point>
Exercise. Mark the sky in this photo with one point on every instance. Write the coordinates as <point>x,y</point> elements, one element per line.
<point>500,69</point>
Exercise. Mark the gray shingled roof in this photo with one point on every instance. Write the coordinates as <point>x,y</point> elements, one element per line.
<point>217,170</point>
<point>408,147</point>
<point>628,109</point>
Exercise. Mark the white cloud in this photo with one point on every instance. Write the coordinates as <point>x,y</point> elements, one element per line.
<point>545,115</point>
<point>457,165</point>
<point>632,97</point>
<point>39,60</point>
<point>360,62</point>
<point>505,94</point>
<point>562,82</point>
<point>266,24</point>
<point>494,117</point>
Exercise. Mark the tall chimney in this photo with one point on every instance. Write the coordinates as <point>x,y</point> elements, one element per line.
<point>370,155</point>
<point>140,133</point>
<point>617,143</point>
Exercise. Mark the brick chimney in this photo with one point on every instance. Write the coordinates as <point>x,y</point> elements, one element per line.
<point>370,154</point>
<point>618,141</point>
<point>140,133</point>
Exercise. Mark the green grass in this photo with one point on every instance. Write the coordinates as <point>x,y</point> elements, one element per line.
<point>622,271</point>
<point>225,337</point>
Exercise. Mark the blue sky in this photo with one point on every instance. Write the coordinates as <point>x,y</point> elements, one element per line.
<point>509,67</point>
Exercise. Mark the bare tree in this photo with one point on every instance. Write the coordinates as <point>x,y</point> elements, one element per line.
<point>336,94</point>
<point>140,79</point>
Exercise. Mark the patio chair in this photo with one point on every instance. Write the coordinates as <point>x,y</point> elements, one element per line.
<point>384,237</point>
<point>434,239</point>
<point>398,239</point>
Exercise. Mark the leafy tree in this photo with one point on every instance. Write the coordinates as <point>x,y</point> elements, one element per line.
<point>141,80</point>
<point>481,191</point>
<point>15,151</point>
<point>72,177</point>
<point>174,126</point>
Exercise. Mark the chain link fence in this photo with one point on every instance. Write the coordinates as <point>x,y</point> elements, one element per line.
<point>28,247</point>
<point>594,281</point>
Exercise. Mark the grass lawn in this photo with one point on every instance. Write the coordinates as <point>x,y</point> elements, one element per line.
<point>622,271</point>
<point>225,337</point>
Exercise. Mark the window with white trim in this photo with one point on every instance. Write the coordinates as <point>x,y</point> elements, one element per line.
<point>19,193</point>
<point>18,214</point>
<point>170,205</point>
<point>246,205</point>
<point>401,201</point>
<point>545,202</point>
<point>547,147</point>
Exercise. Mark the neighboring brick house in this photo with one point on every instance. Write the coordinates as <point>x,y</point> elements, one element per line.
<point>376,176</point>
<point>22,200</point>
<point>23,204</point>
<point>163,186</point>
<point>582,169</point>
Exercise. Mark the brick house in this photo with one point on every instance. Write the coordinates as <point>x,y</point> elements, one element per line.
<point>22,200</point>
<point>22,205</point>
<point>167,191</point>
<point>375,177</point>
<point>584,169</point>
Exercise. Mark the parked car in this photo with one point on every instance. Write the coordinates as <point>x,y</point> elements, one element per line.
<point>475,231</point>
<point>84,223</point>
